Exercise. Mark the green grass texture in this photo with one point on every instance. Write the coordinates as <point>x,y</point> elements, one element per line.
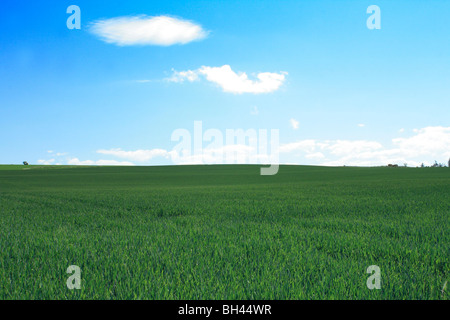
<point>224,232</point>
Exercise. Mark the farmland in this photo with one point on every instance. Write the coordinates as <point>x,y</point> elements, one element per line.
<point>224,232</point>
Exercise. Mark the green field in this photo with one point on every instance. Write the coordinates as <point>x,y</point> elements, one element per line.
<point>224,232</point>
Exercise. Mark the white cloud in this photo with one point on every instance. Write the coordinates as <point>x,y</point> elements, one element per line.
<point>401,130</point>
<point>315,156</point>
<point>181,76</point>
<point>426,145</point>
<point>231,81</point>
<point>346,147</point>
<point>144,30</point>
<point>77,162</point>
<point>233,153</point>
<point>51,161</point>
<point>46,162</point>
<point>361,125</point>
<point>238,152</point>
<point>137,155</point>
<point>307,146</point>
<point>294,123</point>
<point>427,141</point>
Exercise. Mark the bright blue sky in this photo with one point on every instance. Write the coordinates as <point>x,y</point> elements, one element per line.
<point>351,89</point>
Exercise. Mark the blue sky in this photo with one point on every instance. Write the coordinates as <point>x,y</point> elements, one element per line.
<point>338,92</point>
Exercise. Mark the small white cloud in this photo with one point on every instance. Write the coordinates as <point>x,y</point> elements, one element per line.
<point>361,125</point>
<point>294,123</point>
<point>113,163</point>
<point>137,155</point>
<point>401,130</point>
<point>46,162</point>
<point>231,81</point>
<point>183,75</point>
<point>51,161</point>
<point>77,162</point>
<point>144,30</point>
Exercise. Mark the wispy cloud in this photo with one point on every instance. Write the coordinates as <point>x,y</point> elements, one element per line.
<point>182,76</point>
<point>233,82</point>
<point>294,123</point>
<point>137,155</point>
<point>46,162</point>
<point>144,30</point>
<point>77,162</point>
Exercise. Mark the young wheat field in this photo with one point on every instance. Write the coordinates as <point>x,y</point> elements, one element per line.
<point>224,232</point>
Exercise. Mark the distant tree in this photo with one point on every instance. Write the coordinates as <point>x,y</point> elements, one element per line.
<point>449,162</point>
<point>422,165</point>
<point>25,163</point>
<point>405,164</point>
<point>438,165</point>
